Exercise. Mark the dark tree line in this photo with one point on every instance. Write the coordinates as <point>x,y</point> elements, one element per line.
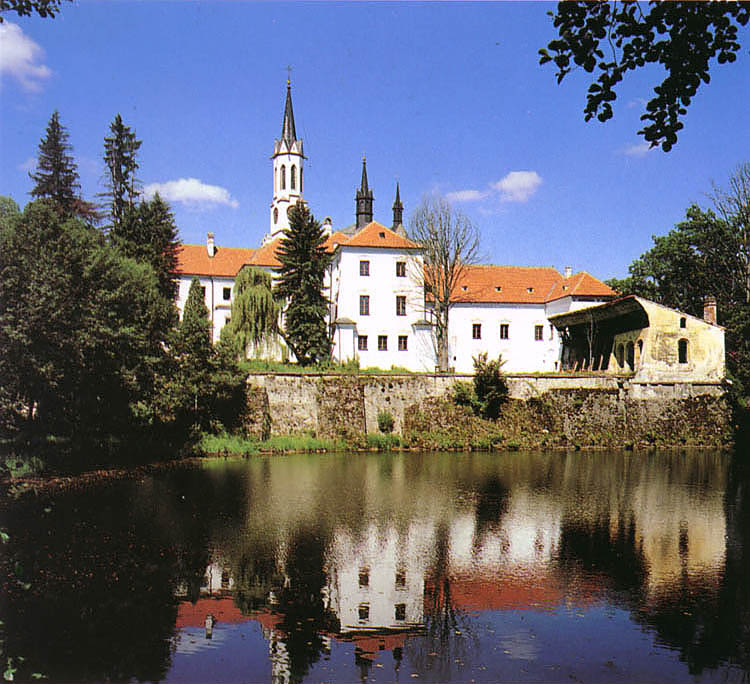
<point>91,348</point>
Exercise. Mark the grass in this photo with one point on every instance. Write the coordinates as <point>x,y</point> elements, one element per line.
<point>330,367</point>
<point>383,442</point>
<point>247,446</point>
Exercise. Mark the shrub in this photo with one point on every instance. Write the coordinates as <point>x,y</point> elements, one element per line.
<point>385,422</point>
<point>462,394</point>
<point>490,386</point>
<point>383,442</point>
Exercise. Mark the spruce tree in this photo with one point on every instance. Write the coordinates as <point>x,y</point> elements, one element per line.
<point>302,275</point>
<point>120,150</point>
<point>148,233</point>
<point>56,174</point>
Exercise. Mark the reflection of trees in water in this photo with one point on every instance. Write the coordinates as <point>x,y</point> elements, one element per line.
<point>604,553</point>
<point>448,636</point>
<point>104,564</point>
<point>708,618</point>
<point>304,617</point>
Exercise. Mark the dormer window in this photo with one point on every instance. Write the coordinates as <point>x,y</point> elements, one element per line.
<point>464,288</point>
<point>382,234</point>
<point>529,289</point>
<point>498,288</point>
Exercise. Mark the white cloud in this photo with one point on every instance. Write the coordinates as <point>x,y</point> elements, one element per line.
<point>637,150</point>
<point>28,165</point>
<point>191,191</point>
<point>466,196</point>
<point>21,58</point>
<point>518,186</point>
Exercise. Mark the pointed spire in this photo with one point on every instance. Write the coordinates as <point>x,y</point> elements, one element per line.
<point>398,210</point>
<point>364,199</point>
<point>288,132</point>
<point>363,188</point>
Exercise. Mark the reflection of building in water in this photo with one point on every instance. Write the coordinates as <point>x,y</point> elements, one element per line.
<point>376,579</point>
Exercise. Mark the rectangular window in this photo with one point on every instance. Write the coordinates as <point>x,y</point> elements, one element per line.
<point>401,269</point>
<point>362,343</point>
<point>400,579</point>
<point>476,331</point>
<point>364,577</point>
<point>364,268</point>
<point>504,330</point>
<point>400,612</point>
<point>400,305</point>
<point>227,294</point>
<point>538,333</point>
<point>364,612</point>
<point>403,342</point>
<point>364,305</point>
<point>203,291</point>
<point>382,342</point>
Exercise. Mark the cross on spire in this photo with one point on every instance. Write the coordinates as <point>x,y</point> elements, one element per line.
<point>289,74</point>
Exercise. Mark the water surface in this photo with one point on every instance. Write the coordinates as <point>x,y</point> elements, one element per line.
<point>438,567</point>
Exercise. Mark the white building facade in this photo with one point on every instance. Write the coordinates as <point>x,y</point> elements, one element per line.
<point>375,285</point>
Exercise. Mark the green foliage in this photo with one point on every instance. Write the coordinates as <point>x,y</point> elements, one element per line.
<point>255,312</point>
<point>56,175</point>
<point>148,233</point>
<point>462,394</point>
<point>490,386</point>
<point>302,274</point>
<point>77,324</point>
<point>120,150</point>
<point>383,442</point>
<point>682,37</point>
<point>224,443</point>
<point>25,8</point>
<point>8,208</point>
<point>202,388</point>
<point>385,421</point>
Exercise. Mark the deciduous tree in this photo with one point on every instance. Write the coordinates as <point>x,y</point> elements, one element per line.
<point>254,318</point>
<point>301,280</point>
<point>612,39</point>
<point>451,243</point>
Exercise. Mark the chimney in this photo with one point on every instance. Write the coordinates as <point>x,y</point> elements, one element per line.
<point>568,271</point>
<point>210,246</point>
<point>709,309</point>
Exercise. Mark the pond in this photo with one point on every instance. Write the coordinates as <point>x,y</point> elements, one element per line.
<point>589,567</point>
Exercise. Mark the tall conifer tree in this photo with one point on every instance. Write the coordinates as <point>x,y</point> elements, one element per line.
<point>303,267</point>
<point>120,149</point>
<point>148,233</point>
<point>56,173</point>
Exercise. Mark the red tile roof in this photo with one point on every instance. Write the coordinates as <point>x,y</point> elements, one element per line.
<point>377,235</point>
<point>523,285</point>
<point>581,285</point>
<point>266,255</point>
<point>226,262</point>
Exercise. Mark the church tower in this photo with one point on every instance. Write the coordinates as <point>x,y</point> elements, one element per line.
<point>364,200</point>
<point>288,163</point>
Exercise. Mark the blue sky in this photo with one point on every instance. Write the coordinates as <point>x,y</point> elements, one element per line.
<point>445,97</point>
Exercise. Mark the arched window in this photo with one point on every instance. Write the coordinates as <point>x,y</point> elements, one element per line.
<point>682,351</point>
<point>282,181</point>
<point>293,178</point>
<point>620,356</point>
<point>275,215</point>
<point>300,180</point>
<point>630,355</point>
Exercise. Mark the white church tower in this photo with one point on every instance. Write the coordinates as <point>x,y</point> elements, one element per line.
<point>288,164</point>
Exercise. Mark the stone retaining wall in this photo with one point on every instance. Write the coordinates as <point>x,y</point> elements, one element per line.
<point>613,407</point>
